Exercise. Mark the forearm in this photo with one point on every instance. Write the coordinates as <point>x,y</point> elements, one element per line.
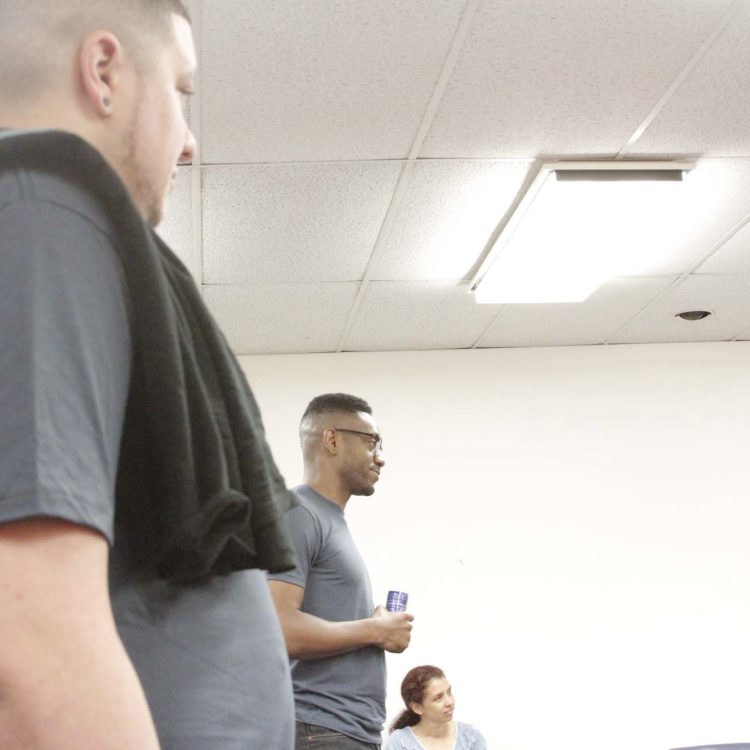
<point>66,682</point>
<point>310,637</point>
<point>68,691</point>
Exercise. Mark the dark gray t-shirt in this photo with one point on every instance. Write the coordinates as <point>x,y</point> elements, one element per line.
<point>211,657</point>
<point>345,693</point>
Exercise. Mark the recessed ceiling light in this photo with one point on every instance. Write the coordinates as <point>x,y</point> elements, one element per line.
<point>579,224</point>
<point>693,314</point>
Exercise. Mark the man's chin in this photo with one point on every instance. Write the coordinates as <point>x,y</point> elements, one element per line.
<point>155,216</point>
<point>155,206</point>
<point>365,490</point>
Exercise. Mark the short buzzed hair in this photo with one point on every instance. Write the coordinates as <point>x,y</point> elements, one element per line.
<point>341,403</point>
<point>38,37</point>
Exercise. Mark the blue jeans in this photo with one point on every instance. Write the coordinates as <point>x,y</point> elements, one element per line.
<point>312,737</point>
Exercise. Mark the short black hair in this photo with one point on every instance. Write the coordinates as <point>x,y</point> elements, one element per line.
<point>343,403</point>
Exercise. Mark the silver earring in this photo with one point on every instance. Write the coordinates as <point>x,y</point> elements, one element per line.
<point>105,101</point>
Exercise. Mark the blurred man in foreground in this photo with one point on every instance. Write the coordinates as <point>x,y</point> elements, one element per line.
<point>139,503</point>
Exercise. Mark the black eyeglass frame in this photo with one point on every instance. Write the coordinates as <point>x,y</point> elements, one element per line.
<point>377,448</point>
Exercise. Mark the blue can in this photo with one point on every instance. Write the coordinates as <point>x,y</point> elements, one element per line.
<point>396,601</point>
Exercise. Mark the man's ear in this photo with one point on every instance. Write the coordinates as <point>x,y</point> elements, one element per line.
<point>100,62</point>
<point>330,441</point>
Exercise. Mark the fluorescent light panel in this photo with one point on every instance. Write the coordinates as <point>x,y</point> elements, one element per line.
<point>579,224</point>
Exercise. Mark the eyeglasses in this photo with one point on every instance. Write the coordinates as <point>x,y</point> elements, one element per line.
<point>376,441</point>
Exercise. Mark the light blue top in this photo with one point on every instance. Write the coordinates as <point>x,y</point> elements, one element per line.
<point>467,738</point>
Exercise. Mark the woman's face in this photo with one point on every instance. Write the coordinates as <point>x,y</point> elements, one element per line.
<point>437,704</point>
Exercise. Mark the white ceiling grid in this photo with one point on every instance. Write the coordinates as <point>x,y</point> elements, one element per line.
<point>358,158</point>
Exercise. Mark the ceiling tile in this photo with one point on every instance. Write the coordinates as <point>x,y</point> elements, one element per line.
<point>550,77</point>
<point>589,322</point>
<point>295,81</point>
<point>176,228</point>
<point>709,113</point>
<point>281,318</point>
<point>449,212</point>
<point>417,315</point>
<point>311,81</point>
<point>732,257</point>
<point>726,297</point>
<point>293,222</point>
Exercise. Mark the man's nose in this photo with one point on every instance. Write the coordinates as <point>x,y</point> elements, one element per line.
<point>189,149</point>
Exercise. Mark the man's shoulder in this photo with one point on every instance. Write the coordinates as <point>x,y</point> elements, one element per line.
<point>53,150</point>
<point>26,178</point>
<point>324,511</point>
<point>307,511</point>
<point>308,498</point>
<point>303,511</point>
<point>314,514</point>
<point>51,196</point>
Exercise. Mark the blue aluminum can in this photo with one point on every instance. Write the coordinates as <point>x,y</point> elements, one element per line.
<point>396,601</point>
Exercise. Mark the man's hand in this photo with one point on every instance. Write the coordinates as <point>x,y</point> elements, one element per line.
<point>310,637</point>
<point>394,629</point>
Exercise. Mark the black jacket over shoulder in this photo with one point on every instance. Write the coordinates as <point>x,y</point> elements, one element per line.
<point>196,477</point>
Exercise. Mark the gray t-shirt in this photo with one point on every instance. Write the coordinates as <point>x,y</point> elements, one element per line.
<point>211,657</point>
<point>467,738</point>
<point>345,693</point>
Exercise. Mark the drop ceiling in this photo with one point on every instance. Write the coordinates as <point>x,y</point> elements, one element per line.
<point>358,158</point>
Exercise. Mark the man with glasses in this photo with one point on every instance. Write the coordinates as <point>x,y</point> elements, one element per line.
<point>335,638</point>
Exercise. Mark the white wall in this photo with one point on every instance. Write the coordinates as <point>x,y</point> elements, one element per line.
<point>571,525</point>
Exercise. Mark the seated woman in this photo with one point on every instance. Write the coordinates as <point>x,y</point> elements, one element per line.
<point>427,722</point>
